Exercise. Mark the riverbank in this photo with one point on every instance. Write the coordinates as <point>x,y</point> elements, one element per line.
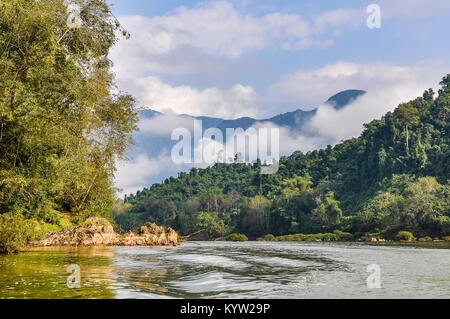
<point>415,244</point>
<point>99,232</point>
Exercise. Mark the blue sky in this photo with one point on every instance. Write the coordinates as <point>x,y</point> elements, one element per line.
<point>411,33</point>
<point>260,58</point>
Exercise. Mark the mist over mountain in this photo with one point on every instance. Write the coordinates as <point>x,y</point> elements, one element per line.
<point>293,120</point>
<point>151,155</point>
<point>391,179</point>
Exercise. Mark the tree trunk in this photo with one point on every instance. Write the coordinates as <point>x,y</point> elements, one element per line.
<point>407,138</point>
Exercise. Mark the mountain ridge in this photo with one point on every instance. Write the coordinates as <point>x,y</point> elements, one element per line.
<point>294,119</point>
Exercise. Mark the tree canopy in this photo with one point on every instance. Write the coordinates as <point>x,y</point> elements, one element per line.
<point>363,185</point>
<point>63,121</point>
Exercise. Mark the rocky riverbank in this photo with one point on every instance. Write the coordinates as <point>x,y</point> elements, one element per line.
<point>100,232</point>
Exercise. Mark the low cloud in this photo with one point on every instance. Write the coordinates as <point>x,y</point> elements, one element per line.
<point>134,175</point>
<point>237,101</point>
<point>164,124</point>
<point>388,83</point>
<point>387,86</point>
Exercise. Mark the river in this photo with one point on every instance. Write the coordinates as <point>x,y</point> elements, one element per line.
<point>229,270</point>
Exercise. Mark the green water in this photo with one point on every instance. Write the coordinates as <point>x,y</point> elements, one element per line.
<point>229,270</point>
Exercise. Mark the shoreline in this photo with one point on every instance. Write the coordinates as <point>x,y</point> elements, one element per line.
<point>422,245</point>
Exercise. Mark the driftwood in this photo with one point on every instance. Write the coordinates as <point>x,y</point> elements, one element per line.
<point>193,234</point>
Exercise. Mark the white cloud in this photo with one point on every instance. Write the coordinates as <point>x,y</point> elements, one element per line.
<point>339,18</point>
<point>164,124</point>
<point>215,27</point>
<point>158,44</point>
<point>237,101</point>
<point>387,86</point>
<point>132,175</point>
<point>313,87</point>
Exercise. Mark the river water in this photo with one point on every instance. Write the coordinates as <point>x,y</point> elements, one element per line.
<point>230,270</point>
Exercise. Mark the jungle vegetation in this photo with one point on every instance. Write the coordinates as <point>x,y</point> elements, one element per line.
<point>63,121</point>
<point>393,178</point>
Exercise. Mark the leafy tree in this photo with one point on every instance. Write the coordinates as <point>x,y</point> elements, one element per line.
<point>407,115</point>
<point>62,127</point>
<point>211,224</point>
<point>328,212</point>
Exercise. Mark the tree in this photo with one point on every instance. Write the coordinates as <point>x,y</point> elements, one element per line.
<point>213,226</point>
<point>62,127</point>
<point>425,200</point>
<point>328,212</point>
<point>407,115</point>
<point>255,219</point>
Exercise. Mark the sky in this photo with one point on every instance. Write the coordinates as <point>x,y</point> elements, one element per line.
<point>260,58</point>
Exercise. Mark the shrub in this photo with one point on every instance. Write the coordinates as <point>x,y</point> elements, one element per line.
<point>16,232</point>
<point>44,228</point>
<point>268,237</point>
<point>405,236</point>
<point>236,237</point>
<point>446,238</point>
<point>307,238</point>
<point>368,238</point>
<point>328,237</point>
<point>343,236</point>
<point>425,239</point>
<point>88,223</point>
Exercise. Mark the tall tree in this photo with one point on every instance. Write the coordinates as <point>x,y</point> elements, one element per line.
<point>63,123</point>
<point>407,114</point>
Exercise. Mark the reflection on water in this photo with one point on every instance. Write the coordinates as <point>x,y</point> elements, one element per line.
<point>41,273</point>
<point>228,270</point>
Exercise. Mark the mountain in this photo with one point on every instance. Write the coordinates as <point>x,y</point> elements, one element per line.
<point>344,98</point>
<point>294,120</point>
<point>391,180</point>
<point>154,137</point>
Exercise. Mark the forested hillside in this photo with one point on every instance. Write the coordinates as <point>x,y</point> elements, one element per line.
<point>394,177</point>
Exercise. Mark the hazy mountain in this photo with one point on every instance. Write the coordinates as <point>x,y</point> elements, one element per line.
<point>344,98</point>
<point>294,120</point>
<point>154,137</point>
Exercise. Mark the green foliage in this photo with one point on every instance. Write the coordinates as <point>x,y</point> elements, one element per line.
<point>16,232</point>
<point>343,236</point>
<point>268,237</point>
<point>61,128</point>
<point>327,237</point>
<point>365,185</point>
<point>236,237</point>
<point>212,224</point>
<point>405,236</point>
<point>419,205</point>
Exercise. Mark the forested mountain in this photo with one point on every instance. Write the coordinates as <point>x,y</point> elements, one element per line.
<point>394,177</point>
<point>154,136</point>
<point>293,120</point>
